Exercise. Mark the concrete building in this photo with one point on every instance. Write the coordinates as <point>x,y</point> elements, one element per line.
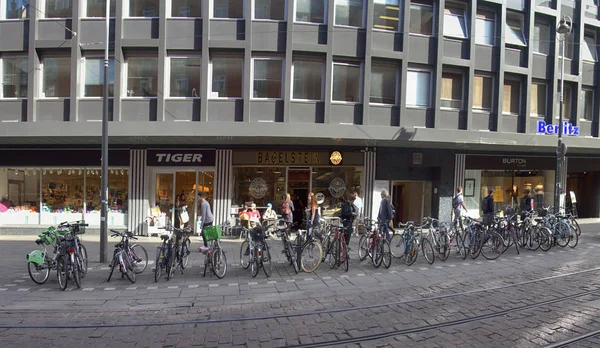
<point>249,99</point>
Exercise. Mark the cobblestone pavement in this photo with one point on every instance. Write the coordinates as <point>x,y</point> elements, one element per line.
<point>526,300</point>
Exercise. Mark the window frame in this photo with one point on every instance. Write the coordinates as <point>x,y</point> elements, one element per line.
<point>82,75</point>
<point>325,13</point>
<point>125,76</point>
<point>457,6</point>
<point>593,49</point>
<point>400,20</point>
<point>323,79</point>
<point>546,84</point>
<point>282,91</point>
<point>585,89</point>
<point>569,95</point>
<point>168,76</point>
<point>360,65</point>
<point>397,83</point>
<point>462,90</point>
<point>363,19</point>
<point>41,94</point>
<point>285,13</point>
<point>12,56</point>
<point>482,110</point>
<point>509,113</point>
<point>521,20</point>
<point>433,21</point>
<point>485,13</point>
<point>211,11</point>
<point>169,9</point>
<point>84,8</point>
<point>210,75</point>
<point>42,5</point>
<point>549,38</point>
<point>4,7</point>
<point>430,99</point>
<point>127,10</point>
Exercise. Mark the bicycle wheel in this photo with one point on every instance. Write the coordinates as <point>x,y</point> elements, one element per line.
<point>245,255</point>
<point>444,245</point>
<point>255,263</point>
<point>113,264</point>
<point>575,225</point>
<point>39,274</point>
<point>363,247</point>
<point>327,244</point>
<point>185,253</point>
<point>544,236</point>
<point>574,240</point>
<point>492,246</point>
<point>460,244</point>
<point>139,257</point>
<point>311,255</point>
<point>128,268</point>
<point>531,240</point>
<point>266,260</point>
<point>562,232</point>
<point>377,252</point>
<point>75,272</point>
<point>219,263</point>
<point>62,272</point>
<point>293,257</point>
<point>158,264</point>
<point>387,254</point>
<point>84,260</point>
<point>397,246</point>
<point>344,258</point>
<point>428,251</point>
<point>170,263</point>
<point>412,252</point>
<point>334,256</point>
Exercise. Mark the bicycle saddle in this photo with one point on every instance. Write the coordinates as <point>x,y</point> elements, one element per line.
<point>39,241</point>
<point>164,237</point>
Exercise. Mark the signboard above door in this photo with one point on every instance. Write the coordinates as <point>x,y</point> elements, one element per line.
<point>181,158</point>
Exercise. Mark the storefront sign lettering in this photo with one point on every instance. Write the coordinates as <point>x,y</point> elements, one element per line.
<point>568,128</point>
<point>178,157</point>
<point>515,161</point>
<point>280,158</point>
<point>181,158</point>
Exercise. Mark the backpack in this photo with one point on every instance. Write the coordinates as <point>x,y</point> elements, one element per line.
<point>455,202</point>
<point>285,208</point>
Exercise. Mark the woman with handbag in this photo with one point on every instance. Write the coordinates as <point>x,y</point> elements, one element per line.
<point>182,218</point>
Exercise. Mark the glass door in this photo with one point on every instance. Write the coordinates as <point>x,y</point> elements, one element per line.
<point>164,199</point>
<point>298,180</point>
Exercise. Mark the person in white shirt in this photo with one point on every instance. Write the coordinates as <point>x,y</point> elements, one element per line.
<point>358,202</point>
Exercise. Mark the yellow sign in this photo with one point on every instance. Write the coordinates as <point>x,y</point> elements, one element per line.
<point>498,195</point>
<point>336,158</point>
<point>283,158</point>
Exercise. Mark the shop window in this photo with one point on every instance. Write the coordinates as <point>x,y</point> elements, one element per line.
<point>538,99</point>
<point>59,9</point>
<point>349,13</point>
<point>512,97</point>
<point>346,83</point>
<point>186,8</point>
<point>17,9</point>
<point>56,72</point>
<point>94,77</point>
<point>386,14</point>
<point>589,47</point>
<point>261,185</point>
<point>514,30</point>
<point>268,75</point>
<point>421,18</point>
<point>14,77</point>
<point>118,181</point>
<point>334,184</point>
<point>455,24</point>
<point>144,8</point>
<point>185,77</point>
<point>485,25</point>
<point>269,9</point>
<point>142,77</point>
<point>307,79</point>
<point>452,88</point>
<point>97,8</point>
<point>310,11</point>
<point>541,38</point>
<point>19,196</point>
<point>62,195</point>
<point>228,9</point>
<point>227,77</point>
<point>383,83</point>
<point>482,92</point>
<point>588,104</point>
<point>418,90</point>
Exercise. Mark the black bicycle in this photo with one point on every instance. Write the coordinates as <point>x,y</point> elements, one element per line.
<point>284,229</point>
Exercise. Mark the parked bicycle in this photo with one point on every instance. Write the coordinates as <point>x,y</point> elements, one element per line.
<point>214,256</point>
<point>131,259</point>
<point>259,255</point>
<point>284,229</point>
<point>40,262</point>
<point>173,253</point>
<point>309,250</point>
<point>375,245</point>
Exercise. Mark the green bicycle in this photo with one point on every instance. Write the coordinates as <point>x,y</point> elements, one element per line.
<point>40,262</point>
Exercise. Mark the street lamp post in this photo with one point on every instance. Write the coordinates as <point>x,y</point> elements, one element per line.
<point>563,30</point>
<point>104,159</point>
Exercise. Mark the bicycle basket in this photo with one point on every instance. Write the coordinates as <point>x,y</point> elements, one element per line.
<point>212,233</point>
<point>48,237</point>
<point>257,234</point>
<point>77,229</point>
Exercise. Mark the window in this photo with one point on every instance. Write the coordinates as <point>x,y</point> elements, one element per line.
<point>421,19</point>
<point>538,99</point>
<point>268,74</point>
<point>452,87</point>
<point>570,46</point>
<point>269,9</point>
<point>307,79</point>
<point>386,14</point>
<point>227,75</point>
<point>185,77</point>
<point>349,13</point>
<point>310,11</point>
<point>588,104</point>
<point>512,97</point>
<point>14,77</point>
<point>454,22</point>
<point>383,83</point>
<point>59,9</point>
<point>143,8</point>
<point>228,9</point>
<point>56,77</point>
<point>19,196</point>
<point>589,50</point>
<point>118,180</point>
<point>346,82</point>
<point>186,8</point>
<point>94,77</point>
<point>541,38</point>
<point>142,77</point>
<point>97,8</point>
<point>567,102</point>
<point>483,87</point>
<point>17,9</point>
<point>485,25</point>
<point>514,31</point>
<point>418,88</point>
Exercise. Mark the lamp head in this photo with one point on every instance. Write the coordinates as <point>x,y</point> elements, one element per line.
<point>565,26</point>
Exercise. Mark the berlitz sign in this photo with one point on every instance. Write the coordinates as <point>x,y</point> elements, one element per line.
<point>185,158</point>
<point>568,128</point>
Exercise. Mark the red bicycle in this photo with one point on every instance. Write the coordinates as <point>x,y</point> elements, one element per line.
<point>375,245</point>
<point>338,250</point>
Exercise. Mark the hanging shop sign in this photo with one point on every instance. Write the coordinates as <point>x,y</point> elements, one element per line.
<point>181,158</point>
<point>335,158</point>
<point>568,128</point>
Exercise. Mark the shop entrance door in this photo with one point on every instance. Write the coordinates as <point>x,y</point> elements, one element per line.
<point>298,182</point>
<point>411,201</point>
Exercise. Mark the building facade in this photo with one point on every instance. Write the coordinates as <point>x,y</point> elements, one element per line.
<point>249,99</point>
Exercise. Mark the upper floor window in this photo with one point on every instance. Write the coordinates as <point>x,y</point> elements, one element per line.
<point>186,8</point>
<point>17,9</point>
<point>541,38</point>
<point>14,77</point>
<point>94,77</point>
<point>308,79</point>
<point>570,45</point>
<point>310,11</point>
<point>349,13</point>
<point>142,77</point>
<point>56,77</point>
<point>512,97</point>
<point>59,9</point>
<point>346,82</point>
<point>184,77</point>
<point>538,98</point>
<point>455,24</point>
<point>567,102</point>
<point>514,30</point>
<point>269,9</point>
<point>227,77</point>
<point>97,8</point>
<point>144,8</point>
<point>268,74</point>
<point>483,86</point>
<point>421,18</point>
<point>386,14</point>
<point>384,79</point>
<point>589,49</point>
<point>418,88</point>
<point>452,90</point>
<point>485,28</point>
<point>587,95</point>
<point>228,9</point>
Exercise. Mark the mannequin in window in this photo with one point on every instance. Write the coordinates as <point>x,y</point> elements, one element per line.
<point>539,195</point>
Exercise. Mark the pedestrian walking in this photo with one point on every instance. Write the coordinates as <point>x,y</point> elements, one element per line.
<point>458,204</point>
<point>386,214</point>
<point>206,216</point>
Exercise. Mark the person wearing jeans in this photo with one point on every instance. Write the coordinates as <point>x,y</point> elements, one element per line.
<point>385,214</point>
